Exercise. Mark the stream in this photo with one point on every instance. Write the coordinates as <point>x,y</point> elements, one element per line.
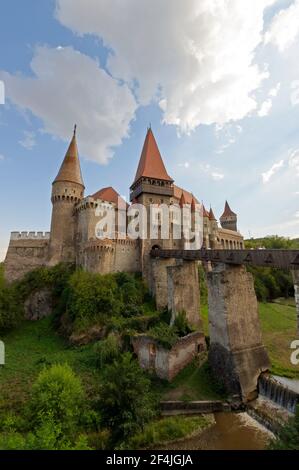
<point>232,431</point>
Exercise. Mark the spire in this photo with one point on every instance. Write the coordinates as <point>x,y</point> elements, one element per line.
<point>70,169</point>
<point>193,204</point>
<point>182,200</point>
<point>211,215</point>
<point>151,164</point>
<point>204,211</point>
<point>227,211</point>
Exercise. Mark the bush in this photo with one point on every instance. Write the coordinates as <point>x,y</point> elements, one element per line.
<point>94,299</point>
<point>58,395</point>
<point>126,402</point>
<point>107,350</point>
<point>13,296</point>
<point>181,325</point>
<point>288,435</point>
<point>165,334</point>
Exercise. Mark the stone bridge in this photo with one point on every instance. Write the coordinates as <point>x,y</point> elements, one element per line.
<point>236,352</point>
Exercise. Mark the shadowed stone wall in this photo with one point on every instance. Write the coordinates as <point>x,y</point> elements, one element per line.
<point>183,292</point>
<point>167,363</point>
<point>237,355</point>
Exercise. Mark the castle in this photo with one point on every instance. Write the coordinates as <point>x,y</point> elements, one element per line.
<point>72,237</point>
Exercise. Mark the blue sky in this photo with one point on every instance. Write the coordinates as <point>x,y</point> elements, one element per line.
<point>218,81</point>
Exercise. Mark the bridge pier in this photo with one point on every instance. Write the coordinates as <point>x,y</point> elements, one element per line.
<point>158,284</point>
<point>237,355</point>
<point>175,285</point>
<point>183,292</point>
<point>295,274</point>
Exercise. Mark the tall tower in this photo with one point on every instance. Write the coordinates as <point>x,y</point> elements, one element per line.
<point>152,185</point>
<point>213,229</point>
<point>228,219</point>
<point>67,191</point>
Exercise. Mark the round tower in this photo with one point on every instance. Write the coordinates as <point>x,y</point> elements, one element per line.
<point>228,219</point>
<point>67,191</point>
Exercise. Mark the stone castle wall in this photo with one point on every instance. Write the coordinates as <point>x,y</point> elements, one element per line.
<point>105,256</point>
<point>236,351</point>
<point>26,252</point>
<point>167,363</point>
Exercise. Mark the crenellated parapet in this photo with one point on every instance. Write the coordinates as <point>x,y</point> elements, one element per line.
<point>29,236</point>
<point>94,245</point>
<point>91,203</point>
<point>26,252</point>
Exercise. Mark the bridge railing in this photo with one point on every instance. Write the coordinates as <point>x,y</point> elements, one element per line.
<point>286,259</point>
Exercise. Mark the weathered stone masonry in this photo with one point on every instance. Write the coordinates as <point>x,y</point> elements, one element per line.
<point>236,353</point>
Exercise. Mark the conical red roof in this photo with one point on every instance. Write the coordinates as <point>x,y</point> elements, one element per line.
<point>110,195</point>
<point>70,169</point>
<point>211,215</point>
<point>205,213</point>
<point>193,204</point>
<point>182,200</point>
<point>227,211</point>
<point>151,164</point>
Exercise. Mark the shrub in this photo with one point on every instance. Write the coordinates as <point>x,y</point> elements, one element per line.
<point>126,402</point>
<point>57,393</point>
<point>181,325</point>
<point>107,350</point>
<point>13,296</point>
<point>288,435</point>
<point>165,334</point>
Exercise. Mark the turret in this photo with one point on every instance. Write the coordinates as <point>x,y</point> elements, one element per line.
<point>152,185</point>
<point>213,229</point>
<point>228,219</point>
<point>67,191</point>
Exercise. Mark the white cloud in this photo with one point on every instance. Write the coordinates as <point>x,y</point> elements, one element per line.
<point>195,58</point>
<point>274,169</point>
<point>295,93</point>
<point>284,27</point>
<point>2,157</point>
<point>294,161</point>
<point>69,87</point>
<point>212,172</point>
<point>217,176</point>
<point>274,91</point>
<point>265,108</point>
<point>185,165</point>
<point>28,142</point>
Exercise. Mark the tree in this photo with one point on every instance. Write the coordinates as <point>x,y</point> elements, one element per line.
<point>57,393</point>
<point>126,402</point>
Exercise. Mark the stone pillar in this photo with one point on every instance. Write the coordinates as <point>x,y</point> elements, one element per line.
<point>158,284</point>
<point>295,274</point>
<point>237,355</point>
<point>183,292</point>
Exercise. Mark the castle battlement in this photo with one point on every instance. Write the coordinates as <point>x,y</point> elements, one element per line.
<point>30,236</point>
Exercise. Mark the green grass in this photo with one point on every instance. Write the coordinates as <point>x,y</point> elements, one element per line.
<point>278,323</point>
<point>204,315</point>
<point>167,429</point>
<point>195,382</point>
<point>28,349</point>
